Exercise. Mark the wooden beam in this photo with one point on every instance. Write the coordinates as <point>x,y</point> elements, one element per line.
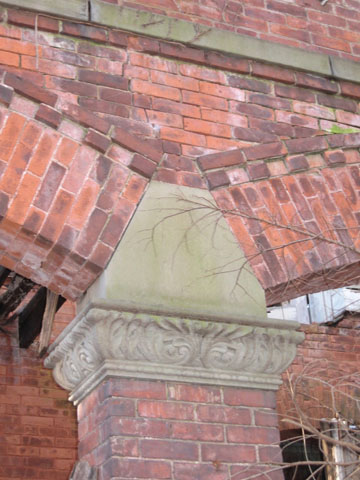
<point>48,320</point>
<point>4,273</point>
<point>13,296</point>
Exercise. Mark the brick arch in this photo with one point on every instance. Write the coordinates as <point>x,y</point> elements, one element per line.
<point>64,204</point>
<point>72,176</point>
<point>294,207</point>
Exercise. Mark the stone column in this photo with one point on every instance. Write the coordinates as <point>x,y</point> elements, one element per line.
<point>171,359</point>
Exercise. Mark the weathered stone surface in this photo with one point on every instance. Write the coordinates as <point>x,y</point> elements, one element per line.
<point>108,339</point>
<point>179,254</point>
<point>71,8</point>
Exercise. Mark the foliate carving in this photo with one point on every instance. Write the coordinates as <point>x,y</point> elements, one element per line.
<point>167,347</point>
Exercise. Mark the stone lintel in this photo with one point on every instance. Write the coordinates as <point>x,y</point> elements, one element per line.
<point>171,29</point>
<point>76,9</point>
<point>112,341</point>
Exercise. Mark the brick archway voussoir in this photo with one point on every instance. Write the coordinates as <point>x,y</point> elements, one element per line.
<point>294,207</point>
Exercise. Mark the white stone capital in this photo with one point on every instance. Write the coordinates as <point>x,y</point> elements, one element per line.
<point>113,340</point>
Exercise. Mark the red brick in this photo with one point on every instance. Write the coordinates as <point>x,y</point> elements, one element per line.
<point>350,89</point>
<point>227,63</point>
<point>30,90</point>
<point>84,31</point>
<point>258,170</point>
<point>190,471</point>
<point>137,389</point>
<point>114,95</point>
<point>270,150</point>
<point>171,450</point>
<point>48,115</point>
<point>250,398</point>
<point>254,135</point>
<point>86,118</point>
<point>295,93</point>
<point>302,145</point>
<point>117,222</point>
<point>97,141</point>
<point>136,144</point>
<point>161,91</point>
<point>337,102</point>
<point>66,151</point>
<point>228,453</point>
<point>224,159</point>
<point>249,84</point>
<point>57,215</point>
<point>297,162</point>
<point>252,435</point>
<point>91,233</point>
<point>83,204</point>
<point>223,414</point>
<point>318,83</point>
<point>102,106</point>
<point>180,51</point>
<point>49,186</point>
<point>103,79</point>
<point>134,189</point>
<point>335,156</point>
<point>9,135</point>
<point>217,179</point>
<point>169,410</point>
<point>27,19</point>
<point>6,95</point>
<point>8,58</point>
<point>272,72</point>
<point>134,468</point>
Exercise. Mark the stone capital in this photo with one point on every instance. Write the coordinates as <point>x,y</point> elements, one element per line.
<point>113,340</point>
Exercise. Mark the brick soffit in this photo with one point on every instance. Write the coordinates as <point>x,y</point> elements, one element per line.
<point>187,33</point>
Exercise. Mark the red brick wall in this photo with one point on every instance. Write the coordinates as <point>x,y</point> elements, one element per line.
<point>140,429</point>
<point>92,111</point>
<point>332,28</point>
<point>38,428</point>
<point>329,354</point>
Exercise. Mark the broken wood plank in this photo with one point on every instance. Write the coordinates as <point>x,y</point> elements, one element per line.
<point>48,320</point>
<point>4,273</point>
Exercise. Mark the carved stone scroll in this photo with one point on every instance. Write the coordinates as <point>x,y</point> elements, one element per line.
<point>117,342</point>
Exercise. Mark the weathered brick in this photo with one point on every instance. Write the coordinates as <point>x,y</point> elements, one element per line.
<point>227,63</point>
<point>103,79</point>
<point>258,170</point>
<point>335,156</point>
<point>48,115</point>
<point>302,145</point>
<point>273,73</point>
<point>217,179</point>
<point>97,141</point>
<point>86,118</point>
<point>136,144</point>
<point>249,84</point>
<point>224,159</point>
<point>270,150</point>
<point>142,165</point>
<point>84,31</point>
<point>297,162</point>
<point>49,186</point>
<point>30,90</point>
<point>318,83</point>
<point>171,450</point>
<point>180,51</point>
<point>6,95</point>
